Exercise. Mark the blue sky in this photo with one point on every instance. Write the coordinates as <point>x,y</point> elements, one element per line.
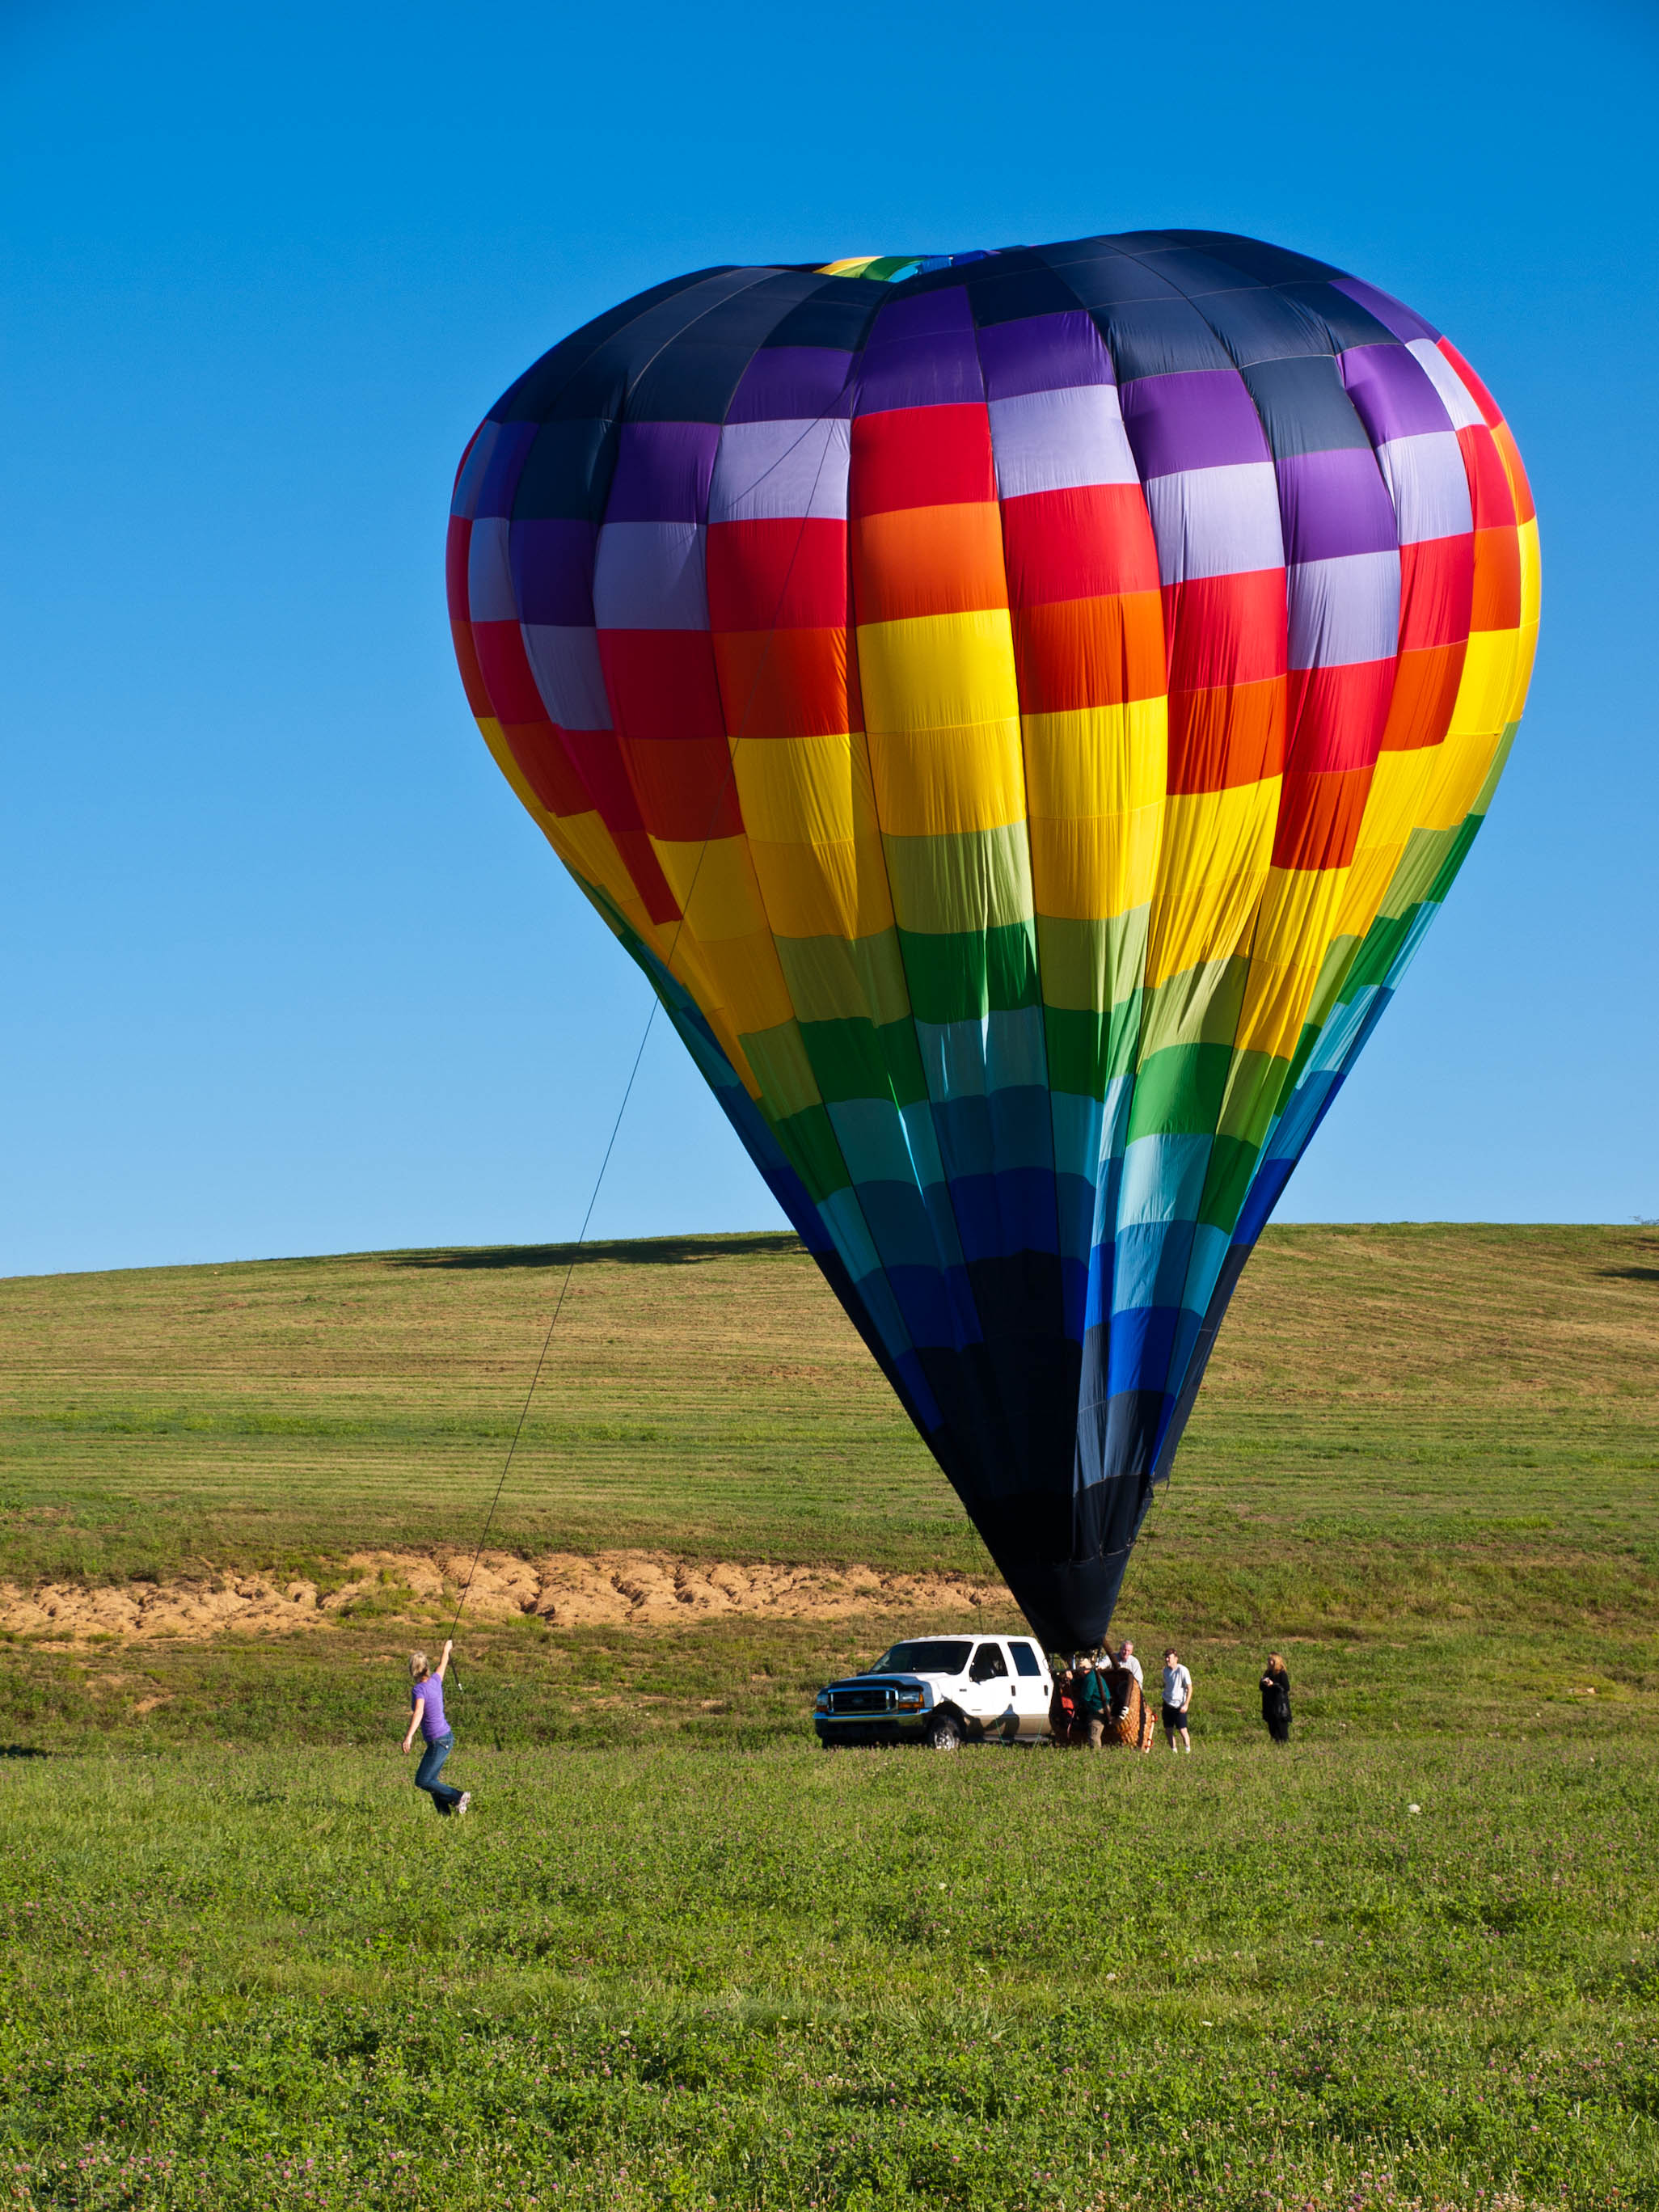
<point>286,969</point>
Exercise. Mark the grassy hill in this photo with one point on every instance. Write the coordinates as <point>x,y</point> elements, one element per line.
<point>677,1957</point>
<point>1490,1393</point>
<point>1482,1403</point>
<point>1420,1450</point>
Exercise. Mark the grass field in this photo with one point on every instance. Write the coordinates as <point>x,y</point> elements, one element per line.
<point>680,1977</point>
<point>1427,1453</point>
<point>677,1956</point>
<point>1461,1390</point>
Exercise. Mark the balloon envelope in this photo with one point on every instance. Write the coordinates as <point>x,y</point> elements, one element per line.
<point>1022,711</point>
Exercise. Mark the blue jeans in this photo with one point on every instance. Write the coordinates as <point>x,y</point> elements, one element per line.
<point>443,1799</point>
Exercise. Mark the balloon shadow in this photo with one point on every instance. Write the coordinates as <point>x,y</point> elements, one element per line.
<point>631,1251</point>
<point>1631,1274</point>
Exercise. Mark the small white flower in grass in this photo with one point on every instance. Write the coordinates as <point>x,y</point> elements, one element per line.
<point>1413,1808</point>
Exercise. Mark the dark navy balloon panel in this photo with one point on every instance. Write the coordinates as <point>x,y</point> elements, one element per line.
<point>1022,710</point>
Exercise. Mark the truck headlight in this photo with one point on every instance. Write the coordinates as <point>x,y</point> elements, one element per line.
<point>821,1704</point>
<point>911,1701</point>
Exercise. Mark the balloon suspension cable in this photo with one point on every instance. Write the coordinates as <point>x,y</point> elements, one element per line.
<point>645,1038</point>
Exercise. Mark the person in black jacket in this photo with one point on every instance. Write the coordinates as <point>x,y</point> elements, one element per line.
<point>1276,1699</point>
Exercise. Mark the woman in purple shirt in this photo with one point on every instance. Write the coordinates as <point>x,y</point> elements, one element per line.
<point>427,1700</point>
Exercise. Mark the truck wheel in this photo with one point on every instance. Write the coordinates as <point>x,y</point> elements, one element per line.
<point>945,1734</point>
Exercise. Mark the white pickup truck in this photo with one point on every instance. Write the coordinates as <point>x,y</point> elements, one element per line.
<point>941,1691</point>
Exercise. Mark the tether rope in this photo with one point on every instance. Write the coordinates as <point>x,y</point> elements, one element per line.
<point>541,1357</point>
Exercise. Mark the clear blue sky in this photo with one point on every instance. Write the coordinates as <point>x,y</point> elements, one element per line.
<point>286,969</point>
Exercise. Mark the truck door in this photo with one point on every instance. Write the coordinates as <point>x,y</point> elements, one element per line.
<point>1032,1687</point>
<point>992,1690</point>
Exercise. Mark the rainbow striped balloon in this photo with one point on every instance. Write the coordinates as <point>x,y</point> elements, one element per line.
<point>1022,710</point>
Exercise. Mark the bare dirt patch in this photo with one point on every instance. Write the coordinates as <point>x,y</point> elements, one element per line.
<point>565,1589</point>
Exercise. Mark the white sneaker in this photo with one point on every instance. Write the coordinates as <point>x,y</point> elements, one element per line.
<point>466,1799</point>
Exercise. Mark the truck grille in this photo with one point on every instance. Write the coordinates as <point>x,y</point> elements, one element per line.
<point>882,1699</point>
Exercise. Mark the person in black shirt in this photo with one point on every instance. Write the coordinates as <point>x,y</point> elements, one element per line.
<point>1276,1699</point>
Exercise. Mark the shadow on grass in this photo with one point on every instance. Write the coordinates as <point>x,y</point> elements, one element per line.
<point>633,1251</point>
<point>23,1751</point>
<point>1631,1274</point>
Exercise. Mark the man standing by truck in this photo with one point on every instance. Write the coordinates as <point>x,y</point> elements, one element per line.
<point>1177,1696</point>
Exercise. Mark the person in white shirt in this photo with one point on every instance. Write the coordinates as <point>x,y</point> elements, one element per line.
<point>1126,1658</point>
<point>1177,1696</point>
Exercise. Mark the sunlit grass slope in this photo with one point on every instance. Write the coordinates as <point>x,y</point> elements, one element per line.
<point>677,1956</point>
<point>1457,1421</point>
<point>1387,1976</point>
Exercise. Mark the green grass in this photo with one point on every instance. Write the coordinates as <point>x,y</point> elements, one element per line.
<point>679,1975</point>
<point>1432,1448</point>
<point>1481,1405</point>
<point>747,1685</point>
<point>677,1955</point>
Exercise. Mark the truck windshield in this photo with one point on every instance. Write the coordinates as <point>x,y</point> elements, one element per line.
<point>930,1655</point>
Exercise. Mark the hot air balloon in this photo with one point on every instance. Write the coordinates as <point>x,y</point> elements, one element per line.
<point>1022,710</point>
